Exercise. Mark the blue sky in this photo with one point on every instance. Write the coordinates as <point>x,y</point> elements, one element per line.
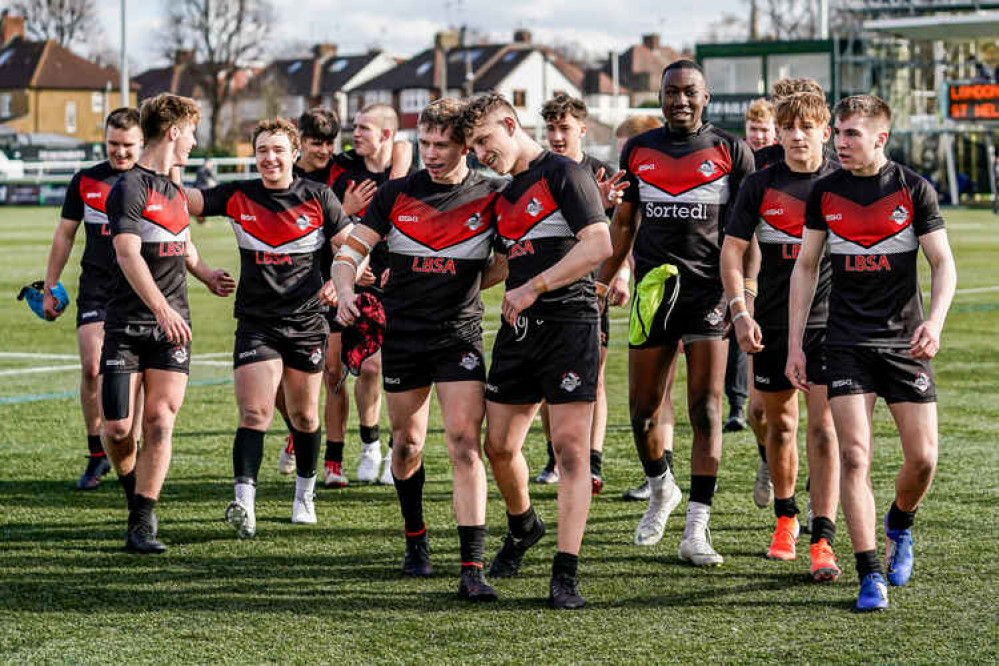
<point>405,27</point>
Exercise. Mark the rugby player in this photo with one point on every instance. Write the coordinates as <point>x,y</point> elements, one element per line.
<point>552,226</point>
<point>565,127</point>
<point>86,199</point>
<point>439,224</point>
<point>682,180</point>
<point>771,206</point>
<point>761,126</point>
<point>281,224</point>
<point>147,330</point>
<point>876,214</point>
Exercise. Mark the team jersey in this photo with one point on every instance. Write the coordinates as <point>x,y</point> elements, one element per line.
<point>774,154</point>
<point>86,201</point>
<point>683,185</point>
<point>439,238</point>
<point>325,177</point>
<point>151,206</point>
<point>538,216</point>
<point>281,235</point>
<point>874,224</point>
<point>771,204</point>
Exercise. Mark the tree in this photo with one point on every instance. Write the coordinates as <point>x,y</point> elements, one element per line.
<point>65,21</point>
<point>226,36</point>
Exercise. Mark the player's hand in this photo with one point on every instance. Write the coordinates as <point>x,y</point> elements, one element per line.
<point>49,303</point>
<point>611,189</point>
<point>357,196</point>
<point>795,369</point>
<point>346,311</point>
<point>925,341</point>
<point>619,292</point>
<point>383,280</point>
<point>327,294</point>
<point>174,327</point>
<point>220,283</point>
<point>365,278</point>
<point>749,335</point>
<point>516,301</point>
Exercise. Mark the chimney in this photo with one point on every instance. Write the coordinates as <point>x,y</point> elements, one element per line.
<point>522,36</point>
<point>324,50</point>
<point>651,41</point>
<point>183,56</point>
<point>10,27</point>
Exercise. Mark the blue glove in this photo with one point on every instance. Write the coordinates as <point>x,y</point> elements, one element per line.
<point>34,295</point>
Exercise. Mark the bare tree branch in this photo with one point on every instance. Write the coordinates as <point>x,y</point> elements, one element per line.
<point>68,22</point>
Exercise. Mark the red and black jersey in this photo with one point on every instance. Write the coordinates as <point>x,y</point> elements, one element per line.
<point>86,201</point>
<point>281,235</point>
<point>683,185</point>
<point>874,224</point>
<point>774,154</point>
<point>771,204</point>
<point>439,238</point>
<point>151,206</point>
<point>538,216</point>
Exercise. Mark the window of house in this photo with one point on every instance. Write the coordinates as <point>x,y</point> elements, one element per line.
<point>70,117</point>
<point>520,98</point>
<point>413,101</point>
<point>5,105</point>
<point>96,102</point>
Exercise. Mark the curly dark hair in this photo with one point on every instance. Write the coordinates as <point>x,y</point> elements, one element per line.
<point>563,105</point>
<point>481,106</point>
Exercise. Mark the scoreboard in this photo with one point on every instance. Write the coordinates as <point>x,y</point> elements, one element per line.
<point>974,102</point>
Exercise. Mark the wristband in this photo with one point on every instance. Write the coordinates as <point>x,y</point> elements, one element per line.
<point>624,274</point>
<point>539,284</point>
<point>740,315</point>
<point>750,285</point>
<point>749,292</point>
<point>344,261</point>
<point>737,299</point>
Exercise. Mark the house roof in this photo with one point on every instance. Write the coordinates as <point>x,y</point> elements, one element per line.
<point>598,82</point>
<point>640,66</point>
<point>182,79</point>
<point>29,64</point>
<point>312,76</point>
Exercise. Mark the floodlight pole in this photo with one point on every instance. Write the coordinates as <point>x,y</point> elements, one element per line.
<point>123,61</point>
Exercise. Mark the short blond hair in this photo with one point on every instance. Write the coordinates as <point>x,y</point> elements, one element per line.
<point>158,114</point>
<point>636,125</point>
<point>760,111</point>
<point>276,126</point>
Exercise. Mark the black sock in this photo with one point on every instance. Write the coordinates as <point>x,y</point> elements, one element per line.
<point>142,511</point>
<point>785,507</point>
<point>473,542</point>
<point>596,462</point>
<point>900,520</point>
<point>410,492</point>
<point>389,445</point>
<point>808,484</point>
<point>369,433</point>
<point>306,452</point>
<point>668,457</point>
<point>247,454</point>
<point>565,564</point>
<point>522,525</point>
<point>656,468</point>
<point>702,488</point>
<point>867,563</point>
<point>763,452</point>
<point>550,465</point>
<point>127,482</point>
<point>823,528</point>
<point>334,451</point>
<point>94,446</point>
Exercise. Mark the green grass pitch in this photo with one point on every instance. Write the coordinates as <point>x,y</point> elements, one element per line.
<point>333,593</point>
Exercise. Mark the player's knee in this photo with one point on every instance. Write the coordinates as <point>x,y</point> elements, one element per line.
<point>755,414</point>
<point>573,457</point>
<point>705,415</point>
<point>157,424</point>
<point>781,431</point>
<point>498,453</point>
<point>303,421</point>
<point>463,449</point>
<point>854,460</point>
<point>116,431</point>
<point>256,416</point>
<point>923,464</point>
<point>406,446</point>
<point>823,439</point>
<point>90,374</point>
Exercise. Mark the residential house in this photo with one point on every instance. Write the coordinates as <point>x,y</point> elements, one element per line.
<point>640,68</point>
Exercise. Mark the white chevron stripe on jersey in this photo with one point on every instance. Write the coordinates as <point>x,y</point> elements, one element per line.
<point>903,242</point>
<point>476,247</point>
<point>766,233</point>
<point>553,226</point>
<point>308,243</point>
<point>715,192</point>
<point>93,216</point>
<point>153,233</point>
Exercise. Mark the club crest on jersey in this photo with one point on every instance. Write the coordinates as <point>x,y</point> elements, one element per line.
<point>316,356</point>
<point>708,168</point>
<point>469,361</point>
<point>179,354</point>
<point>570,382</point>
<point>922,382</point>
<point>900,215</point>
<point>534,208</point>
<point>474,222</point>
<point>303,222</point>
<point>715,316</point>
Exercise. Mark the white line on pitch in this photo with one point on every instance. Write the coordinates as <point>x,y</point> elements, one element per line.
<point>977,290</point>
<point>41,369</point>
<point>53,357</point>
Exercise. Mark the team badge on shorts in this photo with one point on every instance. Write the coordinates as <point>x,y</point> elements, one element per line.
<point>708,168</point>
<point>922,382</point>
<point>469,361</point>
<point>316,356</point>
<point>534,208</point>
<point>900,215</point>
<point>474,222</point>
<point>179,354</point>
<point>715,316</point>
<point>570,382</point>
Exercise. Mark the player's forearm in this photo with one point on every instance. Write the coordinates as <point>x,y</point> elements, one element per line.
<point>593,248</point>
<point>803,280</point>
<point>733,279</point>
<point>62,247</point>
<point>196,266</point>
<point>343,276</point>
<point>943,285</point>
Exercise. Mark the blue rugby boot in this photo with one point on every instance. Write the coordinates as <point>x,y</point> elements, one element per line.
<point>873,594</point>
<point>899,558</point>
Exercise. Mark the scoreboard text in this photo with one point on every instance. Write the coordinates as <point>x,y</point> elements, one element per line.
<point>973,101</point>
